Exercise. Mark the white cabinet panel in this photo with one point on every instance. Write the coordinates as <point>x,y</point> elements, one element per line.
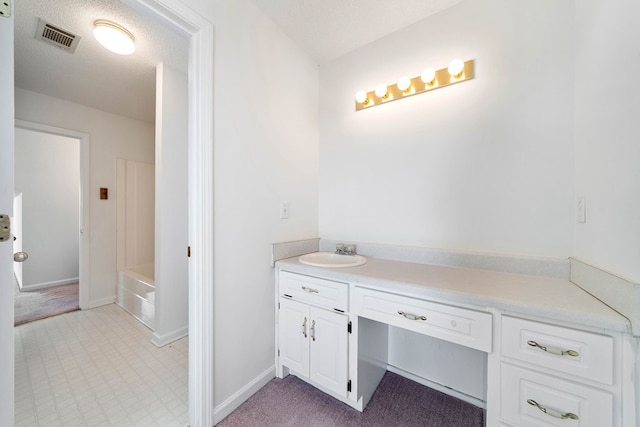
<point>570,351</point>
<point>329,350</point>
<point>313,343</point>
<point>521,387</point>
<point>294,330</point>
<point>455,324</point>
<point>327,293</point>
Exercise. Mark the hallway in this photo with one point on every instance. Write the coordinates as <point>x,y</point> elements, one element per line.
<point>97,367</point>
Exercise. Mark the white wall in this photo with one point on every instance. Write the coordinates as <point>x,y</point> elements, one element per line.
<point>607,135</point>
<point>136,213</point>
<point>171,230</point>
<point>265,151</point>
<point>47,176</point>
<point>485,165</point>
<point>111,137</point>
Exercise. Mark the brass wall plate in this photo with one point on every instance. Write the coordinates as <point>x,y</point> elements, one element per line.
<point>442,79</point>
<point>104,193</point>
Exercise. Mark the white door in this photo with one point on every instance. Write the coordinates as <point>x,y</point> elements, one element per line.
<point>328,340</point>
<point>293,336</point>
<point>6,207</point>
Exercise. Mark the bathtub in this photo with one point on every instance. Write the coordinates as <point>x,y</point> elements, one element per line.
<point>136,292</point>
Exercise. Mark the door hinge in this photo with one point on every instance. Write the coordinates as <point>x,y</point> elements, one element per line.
<point>349,327</point>
<point>5,8</point>
<point>188,251</point>
<point>278,305</point>
<point>5,228</point>
<point>278,352</point>
<point>349,385</point>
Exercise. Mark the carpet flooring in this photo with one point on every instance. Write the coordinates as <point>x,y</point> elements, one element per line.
<point>43,303</point>
<point>398,402</point>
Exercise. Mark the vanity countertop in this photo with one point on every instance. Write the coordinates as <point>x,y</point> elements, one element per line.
<point>555,299</point>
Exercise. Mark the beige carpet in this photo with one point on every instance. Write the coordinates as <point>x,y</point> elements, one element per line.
<point>43,303</point>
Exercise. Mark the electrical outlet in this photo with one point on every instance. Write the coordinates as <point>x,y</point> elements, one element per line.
<point>581,210</point>
<point>284,210</point>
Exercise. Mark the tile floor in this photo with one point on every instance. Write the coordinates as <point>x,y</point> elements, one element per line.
<point>98,368</point>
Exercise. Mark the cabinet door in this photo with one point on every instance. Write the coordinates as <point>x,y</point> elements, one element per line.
<point>293,336</point>
<point>328,341</point>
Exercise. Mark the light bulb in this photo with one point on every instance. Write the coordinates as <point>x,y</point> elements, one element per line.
<point>114,37</point>
<point>361,97</point>
<point>404,83</point>
<point>455,67</point>
<point>381,91</point>
<point>428,76</point>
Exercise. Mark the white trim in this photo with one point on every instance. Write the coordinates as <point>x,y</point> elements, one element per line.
<point>162,340</point>
<point>85,188</point>
<point>50,284</point>
<point>238,398</point>
<point>184,20</point>
<point>102,301</point>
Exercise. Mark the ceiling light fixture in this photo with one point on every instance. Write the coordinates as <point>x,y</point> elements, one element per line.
<point>114,37</point>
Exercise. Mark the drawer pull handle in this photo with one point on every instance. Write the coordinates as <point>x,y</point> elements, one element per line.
<point>553,412</point>
<point>310,290</point>
<point>552,350</point>
<point>411,316</point>
<point>312,330</point>
<point>304,327</point>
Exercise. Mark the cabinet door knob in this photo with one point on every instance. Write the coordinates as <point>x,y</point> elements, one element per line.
<point>310,290</point>
<point>552,350</point>
<point>312,330</point>
<point>553,412</point>
<point>304,327</point>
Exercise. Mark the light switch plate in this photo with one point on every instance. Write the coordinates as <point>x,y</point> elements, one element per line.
<point>581,210</point>
<point>5,8</point>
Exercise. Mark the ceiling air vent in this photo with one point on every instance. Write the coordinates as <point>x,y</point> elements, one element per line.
<point>63,39</point>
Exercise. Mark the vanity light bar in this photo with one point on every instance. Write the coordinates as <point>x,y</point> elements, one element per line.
<point>430,79</point>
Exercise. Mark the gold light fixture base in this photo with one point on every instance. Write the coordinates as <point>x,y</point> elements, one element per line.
<point>442,79</point>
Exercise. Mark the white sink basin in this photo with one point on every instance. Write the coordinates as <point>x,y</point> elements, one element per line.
<point>329,259</point>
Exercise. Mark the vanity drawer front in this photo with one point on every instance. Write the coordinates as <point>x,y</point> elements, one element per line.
<point>586,355</point>
<point>315,290</point>
<point>458,325</point>
<point>519,386</point>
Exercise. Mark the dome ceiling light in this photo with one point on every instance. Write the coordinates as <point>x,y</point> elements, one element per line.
<point>114,37</point>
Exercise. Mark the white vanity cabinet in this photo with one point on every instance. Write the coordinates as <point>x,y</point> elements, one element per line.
<point>313,330</point>
<point>556,376</point>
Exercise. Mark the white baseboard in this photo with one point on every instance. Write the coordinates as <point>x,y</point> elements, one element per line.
<point>162,340</point>
<point>26,288</point>
<point>221,411</point>
<point>446,390</point>
<point>103,301</point>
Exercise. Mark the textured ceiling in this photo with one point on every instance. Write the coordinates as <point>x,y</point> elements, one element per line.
<point>327,29</point>
<point>93,76</point>
<point>125,85</point>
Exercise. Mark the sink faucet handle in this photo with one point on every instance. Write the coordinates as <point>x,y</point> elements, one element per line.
<point>350,249</point>
<point>340,248</point>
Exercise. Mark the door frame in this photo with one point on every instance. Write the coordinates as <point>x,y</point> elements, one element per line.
<point>83,239</point>
<point>200,32</point>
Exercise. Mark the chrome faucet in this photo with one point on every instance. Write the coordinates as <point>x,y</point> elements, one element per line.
<point>343,249</point>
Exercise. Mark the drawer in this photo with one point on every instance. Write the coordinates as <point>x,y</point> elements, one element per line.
<point>593,357</point>
<point>519,386</point>
<point>458,325</point>
<point>327,293</point>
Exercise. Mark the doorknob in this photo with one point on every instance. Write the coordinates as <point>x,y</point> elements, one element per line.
<point>20,256</point>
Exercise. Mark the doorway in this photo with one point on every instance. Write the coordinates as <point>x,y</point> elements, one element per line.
<point>200,32</point>
<point>54,209</point>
